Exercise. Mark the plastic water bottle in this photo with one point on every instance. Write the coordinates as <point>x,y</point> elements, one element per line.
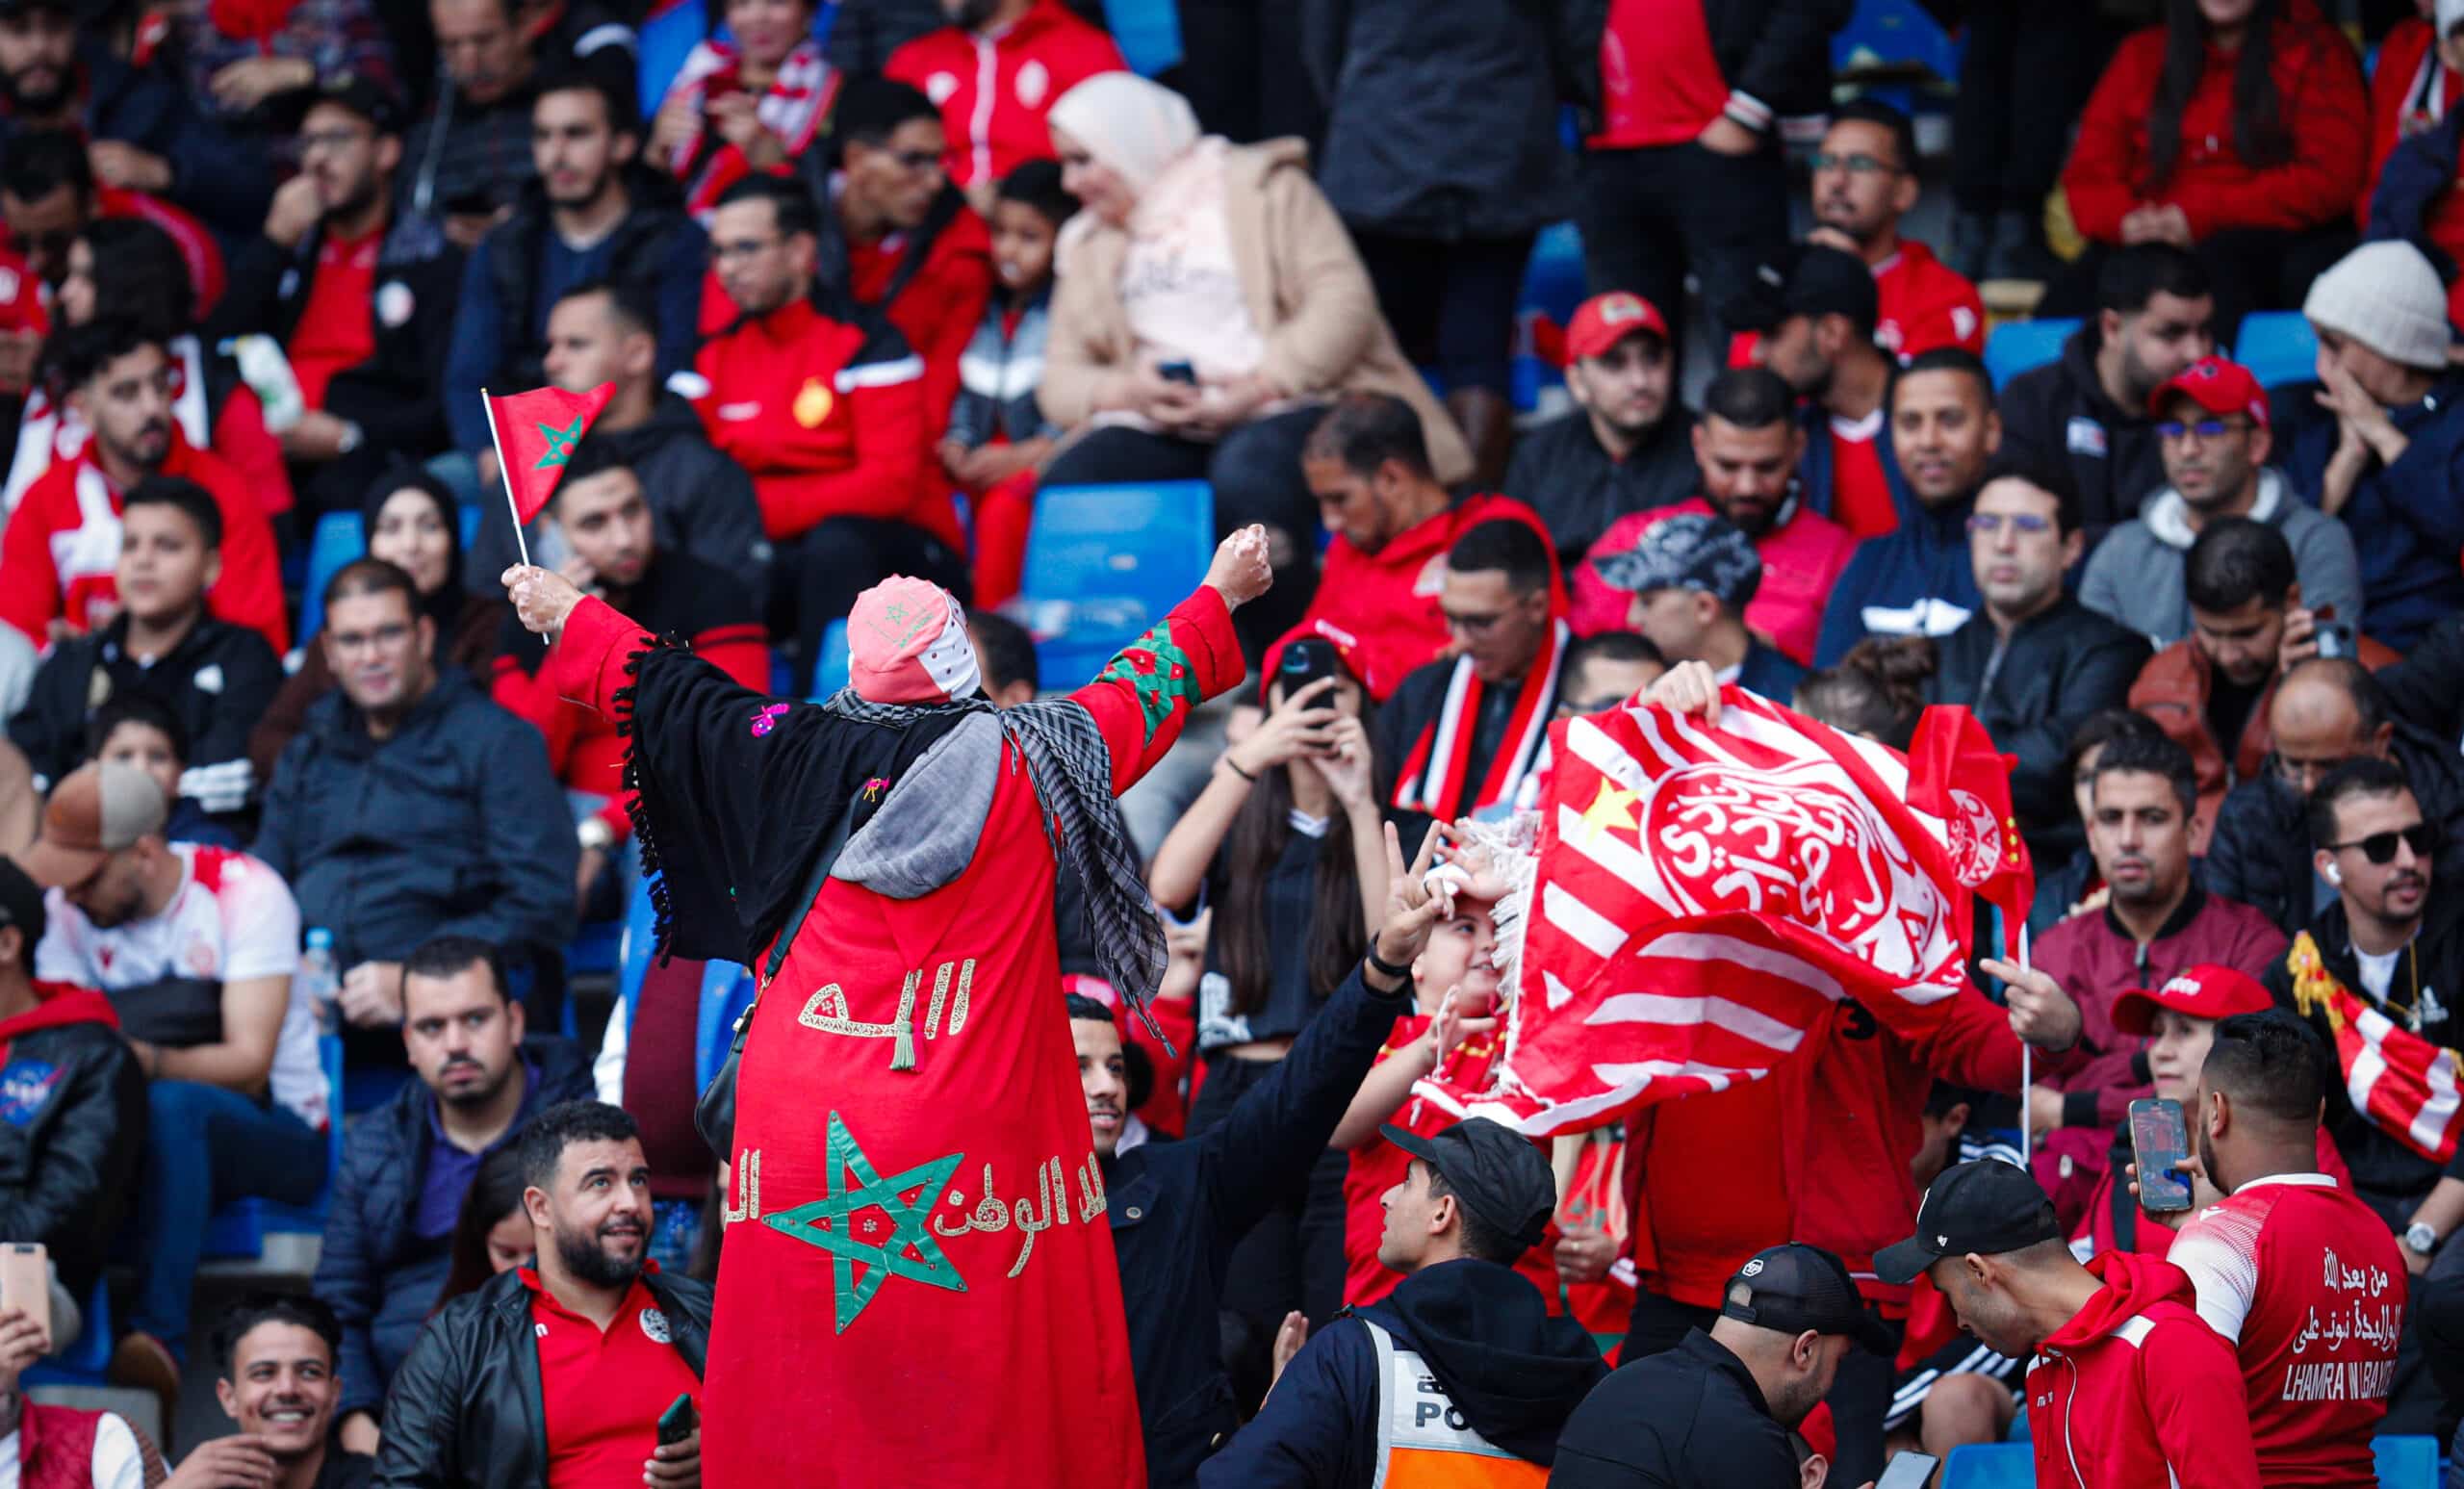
<point>318,980</point>
<point>268,372</point>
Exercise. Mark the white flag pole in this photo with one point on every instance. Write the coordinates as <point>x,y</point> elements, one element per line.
<point>2027,1074</point>
<point>504,479</point>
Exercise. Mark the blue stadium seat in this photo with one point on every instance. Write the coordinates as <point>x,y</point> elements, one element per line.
<point>1990,1466</point>
<point>86,1360</point>
<point>1553,282</point>
<point>665,37</point>
<point>1106,563</point>
<point>2278,348</point>
<point>1148,33</point>
<point>2023,346</point>
<point>1893,36</point>
<point>238,1229</point>
<point>340,538</point>
<point>832,675</point>
<point>2407,1462</point>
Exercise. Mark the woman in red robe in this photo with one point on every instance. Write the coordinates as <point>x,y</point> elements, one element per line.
<point>920,1284</point>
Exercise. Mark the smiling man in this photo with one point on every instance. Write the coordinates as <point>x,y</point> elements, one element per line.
<point>277,1353</point>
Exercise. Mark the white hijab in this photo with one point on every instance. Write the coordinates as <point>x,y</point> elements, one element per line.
<point>1134,127</point>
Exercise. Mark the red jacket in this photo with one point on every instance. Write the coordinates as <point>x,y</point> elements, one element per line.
<point>2136,1389</point>
<point>2323,107</point>
<point>992,91</point>
<point>2406,97</point>
<point>1922,303</point>
<point>1387,600</point>
<point>941,303</point>
<point>61,549</point>
<point>827,412</point>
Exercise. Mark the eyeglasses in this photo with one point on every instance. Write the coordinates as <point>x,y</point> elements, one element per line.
<point>913,161</point>
<point>2205,429</point>
<point>2380,847</point>
<point>2025,524</point>
<point>331,139</point>
<point>1858,164</point>
<point>741,249</point>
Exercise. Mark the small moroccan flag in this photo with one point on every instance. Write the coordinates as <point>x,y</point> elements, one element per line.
<point>537,433</point>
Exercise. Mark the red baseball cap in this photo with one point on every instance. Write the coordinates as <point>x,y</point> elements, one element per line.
<point>2204,991</point>
<point>1603,321</point>
<point>1348,652</point>
<point>2214,384</point>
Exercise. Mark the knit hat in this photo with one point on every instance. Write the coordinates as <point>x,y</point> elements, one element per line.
<point>2450,15</point>
<point>907,643</point>
<point>1127,123</point>
<point>2385,295</point>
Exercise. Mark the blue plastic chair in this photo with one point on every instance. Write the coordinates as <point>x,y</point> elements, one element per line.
<point>2407,1462</point>
<point>238,1229</point>
<point>832,675</point>
<point>1553,282</point>
<point>340,537</point>
<point>2024,345</point>
<point>1148,33</point>
<point>2278,346</point>
<point>1893,36</point>
<point>90,1358</point>
<point>1106,563</point>
<point>1990,1466</point>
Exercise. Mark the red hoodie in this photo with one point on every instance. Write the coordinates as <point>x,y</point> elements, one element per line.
<point>993,90</point>
<point>1388,599</point>
<point>2317,77</point>
<point>2137,1390</point>
<point>57,1004</point>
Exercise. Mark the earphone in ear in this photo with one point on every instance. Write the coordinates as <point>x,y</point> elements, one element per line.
<point>2335,875</point>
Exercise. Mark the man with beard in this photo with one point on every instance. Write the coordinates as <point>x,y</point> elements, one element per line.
<point>558,1374</point>
<point>1817,321</point>
<point>407,1164</point>
<point>2155,316</point>
<point>48,194</point>
<point>1626,446</point>
<point>280,1357</point>
<point>1749,449</point>
<point>584,218</point>
<point>361,299</point>
<point>1864,182</point>
<point>467,160</point>
<point>994,70</point>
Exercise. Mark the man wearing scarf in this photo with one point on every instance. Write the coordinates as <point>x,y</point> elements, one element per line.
<point>921,1286</point>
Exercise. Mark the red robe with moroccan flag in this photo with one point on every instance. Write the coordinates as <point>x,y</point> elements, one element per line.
<point>921,1287</point>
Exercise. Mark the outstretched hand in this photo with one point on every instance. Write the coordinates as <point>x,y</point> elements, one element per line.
<point>2042,1014</point>
<point>1241,572</point>
<point>542,597</point>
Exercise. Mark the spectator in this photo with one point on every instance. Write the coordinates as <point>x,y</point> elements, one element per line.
<point>62,545</point>
<point>1692,577</point>
<point>60,1444</point>
<point>1750,449</point>
<point>1864,182</point>
<point>2325,712</point>
<point>407,1164</point>
<point>1604,670</point>
<point>2212,692</point>
<point>465,1410</point>
<point>1226,259</point>
<point>1390,518</point>
<point>2237,131</point>
<point>2156,923</point>
<point>701,501</point>
<point>279,1354</point>
<point>997,434</point>
<point>1626,446</point>
<point>410,807</point>
<point>2024,74</point>
<point>78,1099</point>
<point>148,135</point>
<point>2131,1383</point>
<point>1719,1408</point>
<point>1682,171</point>
<point>2155,316</point>
<point>1445,229</point>
<point>470,157</point>
<point>196,947</point>
<point>361,299</point>
<point>1495,1374</point>
<point>1916,579</point>
<point>1817,333</point>
<point>589,218</point>
<point>2413,86</point>
<point>216,676</point>
<point>492,1232</point>
<point>48,195</point>
<point>253,65</point>
<point>751,102</point>
<point>413,524</point>
<point>1464,730</point>
<point>838,467</point>
<point>2252,1249</point>
<point>2427,689</point>
<point>994,71</point>
<point>601,508</point>
<point>2386,463</point>
<point>137,730</point>
<point>2214,440</point>
<point>1875,691</point>
<point>2033,663</point>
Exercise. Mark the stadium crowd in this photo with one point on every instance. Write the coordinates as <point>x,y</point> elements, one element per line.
<point>302,832</point>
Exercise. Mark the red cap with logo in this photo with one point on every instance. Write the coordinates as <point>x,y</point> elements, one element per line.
<point>2204,991</point>
<point>1603,321</point>
<point>2214,384</point>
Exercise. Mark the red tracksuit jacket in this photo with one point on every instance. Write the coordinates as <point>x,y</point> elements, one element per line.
<point>992,91</point>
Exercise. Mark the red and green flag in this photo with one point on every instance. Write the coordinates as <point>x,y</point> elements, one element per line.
<point>536,434</point>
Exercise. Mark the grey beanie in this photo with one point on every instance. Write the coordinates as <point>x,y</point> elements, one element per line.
<point>2385,295</point>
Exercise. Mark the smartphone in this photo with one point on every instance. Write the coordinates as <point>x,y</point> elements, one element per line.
<point>2159,1142</point>
<point>1908,1471</point>
<point>25,1280</point>
<point>1178,371</point>
<point>2335,638</point>
<point>1304,662</point>
<point>679,1422</point>
<point>474,203</point>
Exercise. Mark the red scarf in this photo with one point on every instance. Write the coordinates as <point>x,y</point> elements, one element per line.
<point>1432,776</point>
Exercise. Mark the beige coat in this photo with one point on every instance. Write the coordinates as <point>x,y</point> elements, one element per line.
<point>1306,290</point>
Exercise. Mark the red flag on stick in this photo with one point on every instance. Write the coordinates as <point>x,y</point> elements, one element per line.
<point>1956,774</point>
<point>535,435</point>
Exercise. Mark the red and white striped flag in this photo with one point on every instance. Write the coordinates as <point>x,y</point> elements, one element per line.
<point>2402,1082</point>
<point>1705,891</point>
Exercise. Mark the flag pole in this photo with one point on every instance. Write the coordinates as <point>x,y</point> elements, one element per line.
<point>504,479</point>
<point>2027,1073</point>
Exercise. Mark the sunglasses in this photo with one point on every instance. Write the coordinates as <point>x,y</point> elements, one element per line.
<point>2380,847</point>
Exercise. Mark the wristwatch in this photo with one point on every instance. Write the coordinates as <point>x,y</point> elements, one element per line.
<point>595,833</point>
<point>2420,1238</point>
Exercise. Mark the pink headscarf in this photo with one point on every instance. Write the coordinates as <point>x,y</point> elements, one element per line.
<point>907,643</point>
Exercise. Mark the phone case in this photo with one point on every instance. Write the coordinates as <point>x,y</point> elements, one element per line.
<point>2159,1142</point>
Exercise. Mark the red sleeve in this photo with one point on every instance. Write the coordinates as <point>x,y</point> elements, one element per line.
<point>532,697</point>
<point>241,438</point>
<point>891,441</point>
<point>1972,1044</point>
<point>964,288</point>
<point>1144,694</point>
<point>2101,179</point>
<point>1094,52</point>
<point>741,651</point>
<point>2400,56</point>
<point>2330,155</point>
<point>2192,1385</point>
<point>249,591</point>
<point>28,580</point>
<point>587,665</point>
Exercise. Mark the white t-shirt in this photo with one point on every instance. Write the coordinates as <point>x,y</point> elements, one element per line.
<point>2377,972</point>
<point>118,1463</point>
<point>231,919</point>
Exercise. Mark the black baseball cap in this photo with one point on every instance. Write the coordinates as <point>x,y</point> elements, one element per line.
<point>1500,1175</point>
<point>1810,279</point>
<point>1796,1287</point>
<point>21,905</point>
<point>362,95</point>
<point>1984,1206</point>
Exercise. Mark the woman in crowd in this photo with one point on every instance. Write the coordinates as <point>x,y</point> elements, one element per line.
<point>1209,301</point>
<point>747,104</point>
<point>2239,129</point>
<point>413,524</point>
<point>493,1233</point>
<point>1878,689</point>
<point>2413,83</point>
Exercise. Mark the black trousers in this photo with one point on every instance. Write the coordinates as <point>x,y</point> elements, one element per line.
<point>1861,1394</point>
<point>818,573</point>
<point>1650,216</point>
<point>1241,69</point>
<point>2251,269</point>
<point>2026,74</point>
<point>1450,305</point>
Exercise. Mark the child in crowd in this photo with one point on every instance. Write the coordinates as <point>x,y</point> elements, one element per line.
<point>134,728</point>
<point>997,437</point>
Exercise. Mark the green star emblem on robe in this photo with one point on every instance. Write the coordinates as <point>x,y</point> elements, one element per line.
<point>561,444</point>
<point>830,1224</point>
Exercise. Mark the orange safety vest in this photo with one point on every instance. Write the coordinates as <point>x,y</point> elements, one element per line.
<point>1424,1441</point>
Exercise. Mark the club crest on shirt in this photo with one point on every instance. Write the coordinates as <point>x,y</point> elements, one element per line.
<point>1033,80</point>
<point>25,1085</point>
<point>655,1325</point>
<point>812,403</point>
<point>199,958</point>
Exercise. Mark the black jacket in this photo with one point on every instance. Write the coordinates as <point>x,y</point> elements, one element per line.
<point>72,1127</point>
<point>1689,1418</point>
<point>1177,1210</point>
<point>2060,666</point>
<point>223,179</point>
<point>640,257</point>
<point>377,1273</point>
<point>1560,471</point>
<point>2059,415</point>
<point>1777,50</point>
<point>465,1409</point>
<point>2427,689</point>
<point>2260,851</point>
<point>1513,1373</point>
<point>2436,1308</point>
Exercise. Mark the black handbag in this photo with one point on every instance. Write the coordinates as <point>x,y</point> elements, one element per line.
<point>174,1013</point>
<point>714,1113</point>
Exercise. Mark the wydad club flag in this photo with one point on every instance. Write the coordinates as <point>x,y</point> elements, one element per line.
<point>2402,1082</point>
<point>537,433</point>
<point>1705,889</point>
